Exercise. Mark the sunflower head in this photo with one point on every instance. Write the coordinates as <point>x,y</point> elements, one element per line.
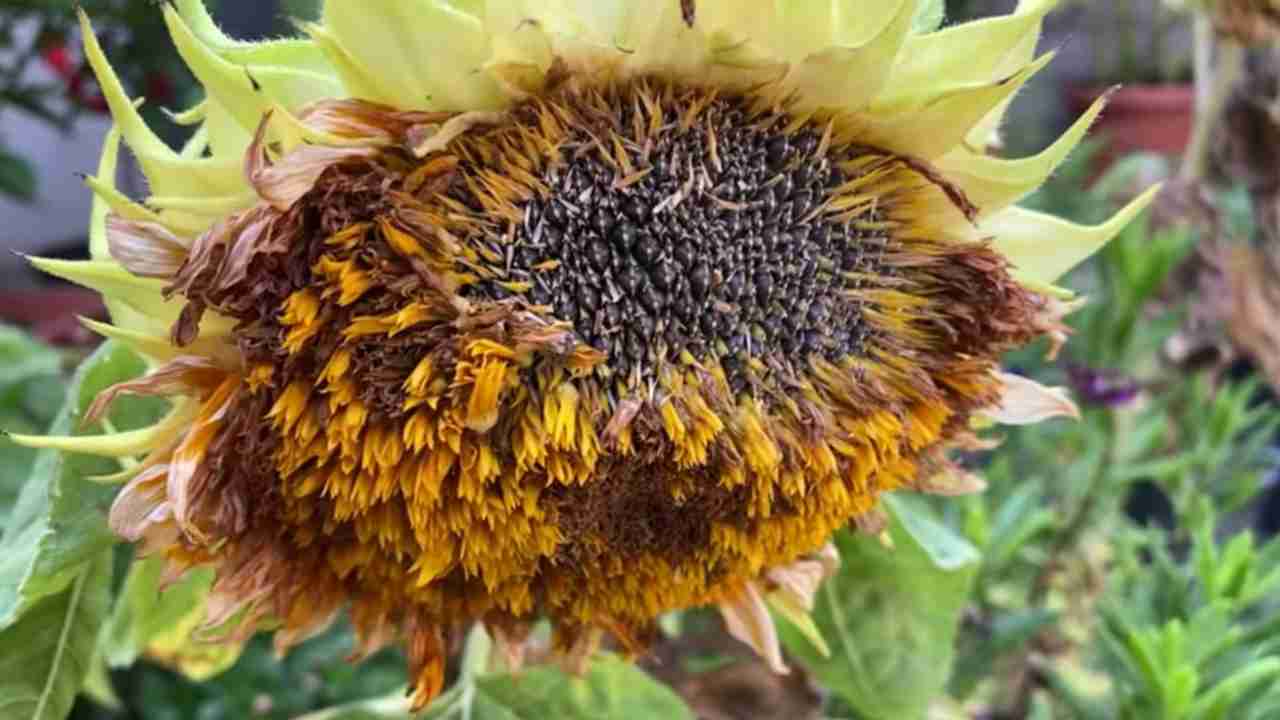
<point>499,311</point>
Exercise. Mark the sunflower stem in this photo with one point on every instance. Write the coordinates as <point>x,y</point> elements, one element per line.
<point>1213,89</point>
<point>1080,516</point>
<point>1028,678</point>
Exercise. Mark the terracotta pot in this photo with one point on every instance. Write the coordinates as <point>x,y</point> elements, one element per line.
<point>1139,118</point>
<point>51,313</point>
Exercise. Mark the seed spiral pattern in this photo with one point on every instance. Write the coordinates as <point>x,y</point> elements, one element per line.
<point>718,246</point>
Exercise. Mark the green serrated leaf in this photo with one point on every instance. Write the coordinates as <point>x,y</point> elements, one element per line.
<point>59,521</point>
<point>144,613</point>
<point>891,616</point>
<point>46,656</point>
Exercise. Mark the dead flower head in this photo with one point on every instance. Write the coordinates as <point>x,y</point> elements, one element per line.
<point>496,311</point>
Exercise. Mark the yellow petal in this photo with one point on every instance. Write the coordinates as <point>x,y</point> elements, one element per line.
<point>415,54</point>
<point>976,52</point>
<point>516,42</point>
<point>247,92</point>
<point>289,52</point>
<point>120,444</point>
<point>166,171</point>
<point>993,183</point>
<point>987,132</point>
<point>1043,248</point>
<point>359,81</point>
<point>98,247</point>
<point>158,348</point>
<point>850,77</point>
<point>152,313</point>
<point>931,131</point>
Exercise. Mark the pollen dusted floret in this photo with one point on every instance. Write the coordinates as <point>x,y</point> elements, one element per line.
<point>620,351</point>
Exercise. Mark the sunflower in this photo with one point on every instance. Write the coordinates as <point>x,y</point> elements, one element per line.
<point>500,310</point>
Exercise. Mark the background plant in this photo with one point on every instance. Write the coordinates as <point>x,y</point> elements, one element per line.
<point>43,75</point>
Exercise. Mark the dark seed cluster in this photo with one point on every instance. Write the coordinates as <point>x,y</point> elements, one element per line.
<point>721,249</point>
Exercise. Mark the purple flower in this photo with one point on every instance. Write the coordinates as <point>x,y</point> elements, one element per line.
<point>1102,387</point>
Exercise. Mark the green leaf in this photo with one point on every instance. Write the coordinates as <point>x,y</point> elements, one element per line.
<point>48,653</point>
<point>929,16</point>
<point>1218,702</point>
<point>59,522</point>
<point>891,615</point>
<point>945,548</point>
<point>23,358</point>
<point>612,689</point>
<point>17,176</point>
<point>144,612</point>
<point>29,375</point>
<point>97,685</point>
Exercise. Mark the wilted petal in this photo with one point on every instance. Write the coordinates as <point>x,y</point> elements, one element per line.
<point>139,504</point>
<point>575,659</point>
<point>1050,322</point>
<point>952,481</point>
<point>872,522</point>
<point>187,471</point>
<point>145,249</point>
<point>800,580</point>
<point>510,643</point>
<point>1026,402</point>
<point>747,618</point>
<point>285,182</point>
<point>364,121</point>
<point>432,138</point>
<point>186,375</point>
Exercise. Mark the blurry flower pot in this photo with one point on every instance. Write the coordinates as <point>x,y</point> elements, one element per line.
<point>1139,118</point>
<point>52,314</point>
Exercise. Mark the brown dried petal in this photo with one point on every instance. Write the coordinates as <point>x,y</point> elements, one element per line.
<point>140,504</point>
<point>185,375</point>
<point>747,618</point>
<point>1026,402</point>
<point>360,120</point>
<point>285,182</point>
<point>430,138</point>
<point>145,249</point>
